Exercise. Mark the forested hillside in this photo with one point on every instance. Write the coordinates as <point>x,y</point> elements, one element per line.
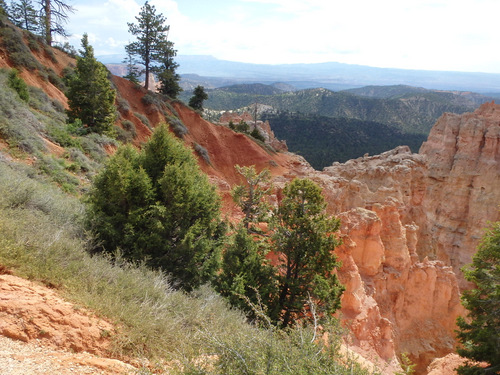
<point>323,140</point>
<point>326,126</point>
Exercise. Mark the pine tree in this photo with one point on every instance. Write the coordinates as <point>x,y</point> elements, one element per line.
<point>479,333</point>
<point>133,72</point>
<point>247,279</point>
<point>304,237</point>
<point>173,223</point>
<point>199,96</point>
<point>118,201</point>
<point>152,45</point>
<point>24,15</point>
<point>251,197</point>
<point>166,70</point>
<point>53,15</point>
<point>90,95</point>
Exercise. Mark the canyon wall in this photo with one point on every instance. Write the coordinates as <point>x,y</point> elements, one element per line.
<point>463,185</point>
<point>409,222</point>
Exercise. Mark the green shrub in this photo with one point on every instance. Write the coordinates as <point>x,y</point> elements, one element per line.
<point>178,127</point>
<point>127,133</point>
<point>150,99</point>
<point>81,160</point>
<point>257,135</point>
<point>123,105</point>
<point>56,170</point>
<point>202,151</point>
<point>18,125</point>
<point>18,84</point>
<point>55,80</point>
<point>33,41</point>
<point>143,119</point>
<point>158,101</point>
<point>19,54</point>
<point>60,134</point>
<point>46,106</point>
<point>122,135</point>
<point>94,148</point>
<point>242,127</point>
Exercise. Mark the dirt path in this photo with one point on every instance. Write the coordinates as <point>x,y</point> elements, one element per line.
<point>23,358</point>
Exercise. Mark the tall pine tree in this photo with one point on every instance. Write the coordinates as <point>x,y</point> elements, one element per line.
<point>90,95</point>
<point>152,46</point>
<point>24,15</point>
<point>304,237</point>
<point>247,279</point>
<point>199,96</point>
<point>53,15</point>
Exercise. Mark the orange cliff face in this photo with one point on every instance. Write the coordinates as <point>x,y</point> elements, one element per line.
<point>410,221</point>
<point>395,302</point>
<point>463,189</point>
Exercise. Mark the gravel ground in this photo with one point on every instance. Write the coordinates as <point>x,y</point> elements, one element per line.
<point>20,358</point>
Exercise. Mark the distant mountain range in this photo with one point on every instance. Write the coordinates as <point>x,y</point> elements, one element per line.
<point>331,75</point>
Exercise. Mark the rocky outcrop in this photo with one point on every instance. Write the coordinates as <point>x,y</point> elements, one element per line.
<point>410,221</point>
<point>463,194</point>
<point>29,311</point>
<point>394,303</point>
<point>263,127</point>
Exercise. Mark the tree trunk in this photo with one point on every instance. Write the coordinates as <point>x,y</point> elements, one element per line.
<point>47,21</point>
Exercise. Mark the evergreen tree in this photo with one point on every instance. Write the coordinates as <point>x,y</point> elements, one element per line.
<point>133,72</point>
<point>199,96</point>
<point>304,237</point>
<point>152,44</point>
<point>119,199</point>
<point>90,95</point>
<point>479,333</point>
<point>251,197</point>
<point>247,278</point>
<point>24,15</point>
<point>170,217</point>
<point>53,15</point>
<point>165,71</point>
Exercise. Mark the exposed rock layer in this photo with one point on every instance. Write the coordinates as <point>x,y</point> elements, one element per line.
<point>463,184</point>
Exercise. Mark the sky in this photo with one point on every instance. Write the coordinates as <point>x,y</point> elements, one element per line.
<point>451,35</point>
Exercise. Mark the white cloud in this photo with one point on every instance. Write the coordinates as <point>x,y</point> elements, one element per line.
<point>420,34</point>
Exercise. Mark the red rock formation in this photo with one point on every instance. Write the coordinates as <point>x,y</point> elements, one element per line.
<point>391,295</point>
<point>29,311</point>
<point>463,194</point>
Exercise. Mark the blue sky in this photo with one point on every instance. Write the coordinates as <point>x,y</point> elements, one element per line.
<point>458,35</point>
